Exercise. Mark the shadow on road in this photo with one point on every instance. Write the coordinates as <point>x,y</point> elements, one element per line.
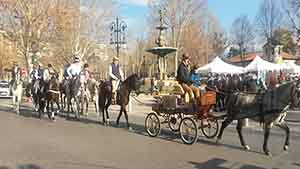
<point>217,163</point>
<point>67,165</point>
<point>166,134</point>
<point>26,166</point>
<point>29,166</point>
<point>297,164</point>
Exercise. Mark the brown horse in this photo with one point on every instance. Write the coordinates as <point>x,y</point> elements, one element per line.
<point>105,97</point>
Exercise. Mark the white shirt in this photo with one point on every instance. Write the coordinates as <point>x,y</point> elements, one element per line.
<point>74,69</point>
<point>112,76</point>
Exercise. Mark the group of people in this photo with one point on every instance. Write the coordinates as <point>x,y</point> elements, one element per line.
<point>190,80</point>
<point>40,74</point>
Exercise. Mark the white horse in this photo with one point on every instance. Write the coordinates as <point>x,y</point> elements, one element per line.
<point>17,90</point>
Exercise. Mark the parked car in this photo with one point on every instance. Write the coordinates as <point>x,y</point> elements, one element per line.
<point>4,89</point>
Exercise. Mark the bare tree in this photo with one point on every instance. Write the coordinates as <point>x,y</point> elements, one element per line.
<point>95,18</point>
<point>28,24</point>
<point>242,34</point>
<point>268,19</point>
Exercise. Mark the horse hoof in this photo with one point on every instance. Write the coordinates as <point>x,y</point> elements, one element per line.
<point>286,148</point>
<point>268,153</point>
<point>246,147</point>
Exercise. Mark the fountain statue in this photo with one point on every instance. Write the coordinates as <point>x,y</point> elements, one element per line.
<point>162,50</point>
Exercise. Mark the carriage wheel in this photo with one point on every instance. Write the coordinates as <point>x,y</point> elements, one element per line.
<point>152,125</point>
<point>210,127</point>
<point>174,122</point>
<point>188,130</point>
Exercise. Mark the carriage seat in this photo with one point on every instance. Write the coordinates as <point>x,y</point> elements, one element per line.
<point>178,90</point>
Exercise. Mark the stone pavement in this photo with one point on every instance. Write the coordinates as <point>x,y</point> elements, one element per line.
<point>29,143</point>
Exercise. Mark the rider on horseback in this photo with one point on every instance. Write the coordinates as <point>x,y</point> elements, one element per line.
<point>74,69</point>
<point>37,76</point>
<point>49,72</point>
<point>16,71</point>
<point>85,76</point>
<point>116,76</point>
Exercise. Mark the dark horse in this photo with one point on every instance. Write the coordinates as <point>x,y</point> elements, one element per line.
<point>267,108</point>
<point>105,97</point>
<point>63,93</point>
<point>52,96</point>
<point>39,92</point>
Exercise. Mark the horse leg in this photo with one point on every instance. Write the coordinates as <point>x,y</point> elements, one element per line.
<point>58,105</point>
<point>103,115</point>
<point>48,112</point>
<point>40,109</point>
<point>87,107</point>
<point>52,111</point>
<point>14,98</point>
<point>239,128</point>
<point>18,105</point>
<point>107,115</point>
<point>68,106</point>
<point>47,106</point>
<point>119,116</point>
<point>77,108</point>
<point>62,101</point>
<point>286,128</point>
<point>126,117</point>
<point>267,129</point>
<point>225,123</point>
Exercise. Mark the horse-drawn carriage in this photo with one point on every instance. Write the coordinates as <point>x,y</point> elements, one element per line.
<point>174,109</point>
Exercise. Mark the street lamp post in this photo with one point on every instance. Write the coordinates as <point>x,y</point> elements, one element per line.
<point>118,39</point>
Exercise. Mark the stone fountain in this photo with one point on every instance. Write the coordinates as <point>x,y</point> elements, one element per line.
<point>161,51</point>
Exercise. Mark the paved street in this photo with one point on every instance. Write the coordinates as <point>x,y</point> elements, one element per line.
<point>29,143</point>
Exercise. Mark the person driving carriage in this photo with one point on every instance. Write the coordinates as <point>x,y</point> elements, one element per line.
<point>116,75</point>
<point>183,77</point>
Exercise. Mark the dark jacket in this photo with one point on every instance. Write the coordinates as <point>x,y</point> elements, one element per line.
<point>183,74</point>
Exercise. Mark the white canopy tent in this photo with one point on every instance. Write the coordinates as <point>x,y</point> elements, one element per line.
<point>259,64</point>
<point>291,66</point>
<point>219,66</point>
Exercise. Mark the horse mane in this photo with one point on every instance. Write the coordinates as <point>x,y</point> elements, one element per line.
<point>129,80</point>
<point>131,77</point>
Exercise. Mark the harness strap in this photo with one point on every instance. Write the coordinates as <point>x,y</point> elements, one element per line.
<point>54,91</point>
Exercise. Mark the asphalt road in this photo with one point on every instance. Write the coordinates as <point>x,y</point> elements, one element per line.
<point>29,143</point>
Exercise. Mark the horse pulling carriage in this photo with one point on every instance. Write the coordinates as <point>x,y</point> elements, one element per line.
<point>183,116</point>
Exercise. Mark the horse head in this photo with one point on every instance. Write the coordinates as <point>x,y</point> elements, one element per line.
<point>295,94</point>
<point>54,83</point>
<point>133,82</point>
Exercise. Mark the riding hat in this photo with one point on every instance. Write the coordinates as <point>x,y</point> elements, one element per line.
<point>185,56</point>
<point>115,59</point>
<point>76,59</point>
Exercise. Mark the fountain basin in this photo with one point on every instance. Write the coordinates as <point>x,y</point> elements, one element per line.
<point>161,51</point>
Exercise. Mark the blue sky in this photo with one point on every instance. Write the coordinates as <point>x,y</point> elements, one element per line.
<point>228,10</point>
<point>135,12</point>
